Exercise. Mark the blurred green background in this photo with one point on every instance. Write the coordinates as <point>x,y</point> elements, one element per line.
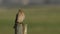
<point>40,19</point>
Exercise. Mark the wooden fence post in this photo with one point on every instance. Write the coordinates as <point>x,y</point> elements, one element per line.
<point>21,29</point>
<point>25,31</point>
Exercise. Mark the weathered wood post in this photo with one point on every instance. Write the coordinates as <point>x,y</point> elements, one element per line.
<point>21,29</point>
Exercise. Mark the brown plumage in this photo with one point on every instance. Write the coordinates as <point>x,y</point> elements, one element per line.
<point>20,16</point>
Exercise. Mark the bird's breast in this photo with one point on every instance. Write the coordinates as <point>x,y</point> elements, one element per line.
<point>21,18</point>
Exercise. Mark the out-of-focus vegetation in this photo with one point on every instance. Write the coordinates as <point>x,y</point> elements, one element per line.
<point>40,20</point>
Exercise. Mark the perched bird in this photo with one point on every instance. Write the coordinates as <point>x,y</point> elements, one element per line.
<point>20,16</point>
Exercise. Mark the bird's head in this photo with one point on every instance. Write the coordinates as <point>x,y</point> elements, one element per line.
<point>20,10</point>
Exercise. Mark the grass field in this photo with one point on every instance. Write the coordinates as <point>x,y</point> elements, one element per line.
<point>40,20</point>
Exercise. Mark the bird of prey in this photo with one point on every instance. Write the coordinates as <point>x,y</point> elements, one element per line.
<point>20,16</point>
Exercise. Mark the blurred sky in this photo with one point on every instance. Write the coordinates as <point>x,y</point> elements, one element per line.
<point>26,2</point>
<point>21,3</point>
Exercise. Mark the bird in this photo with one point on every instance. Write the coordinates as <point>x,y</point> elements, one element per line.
<point>20,16</point>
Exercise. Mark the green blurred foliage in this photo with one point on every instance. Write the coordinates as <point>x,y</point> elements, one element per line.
<point>40,20</point>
